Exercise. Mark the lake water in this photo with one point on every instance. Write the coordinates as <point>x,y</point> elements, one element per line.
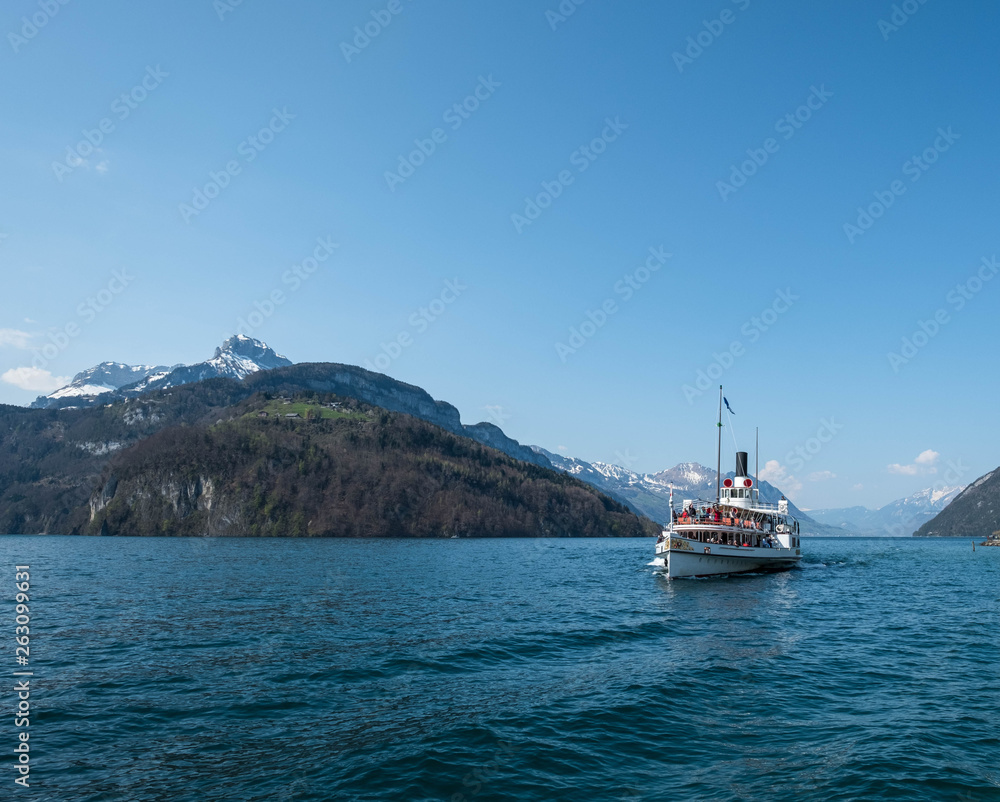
<point>281,670</point>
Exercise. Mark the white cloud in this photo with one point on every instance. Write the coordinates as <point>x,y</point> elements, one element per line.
<point>562,449</point>
<point>821,476</point>
<point>100,166</point>
<point>15,337</point>
<point>778,475</point>
<point>34,379</point>
<point>924,463</point>
<point>858,486</point>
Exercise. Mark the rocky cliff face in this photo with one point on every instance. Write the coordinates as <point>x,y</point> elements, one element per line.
<point>103,496</point>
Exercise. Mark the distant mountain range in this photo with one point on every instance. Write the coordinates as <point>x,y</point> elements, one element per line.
<point>240,357</point>
<point>975,512</point>
<point>98,380</point>
<point>900,518</point>
<point>236,358</point>
<point>650,493</point>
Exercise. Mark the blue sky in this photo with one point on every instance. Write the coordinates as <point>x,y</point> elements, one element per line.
<point>497,176</point>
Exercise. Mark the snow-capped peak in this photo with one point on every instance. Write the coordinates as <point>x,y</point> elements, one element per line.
<point>257,350</point>
<point>238,357</point>
<point>616,472</point>
<point>100,379</point>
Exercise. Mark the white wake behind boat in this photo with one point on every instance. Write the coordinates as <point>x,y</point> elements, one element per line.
<point>736,533</point>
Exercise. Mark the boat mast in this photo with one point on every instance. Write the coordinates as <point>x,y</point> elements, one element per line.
<point>756,459</point>
<point>718,455</point>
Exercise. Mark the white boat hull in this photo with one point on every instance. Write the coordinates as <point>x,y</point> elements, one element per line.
<point>688,558</point>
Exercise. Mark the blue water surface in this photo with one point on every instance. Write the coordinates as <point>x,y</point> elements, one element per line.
<point>285,670</point>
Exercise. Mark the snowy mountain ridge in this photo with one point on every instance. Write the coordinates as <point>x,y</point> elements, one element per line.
<point>899,518</point>
<point>237,358</point>
<point>649,494</point>
<point>103,378</point>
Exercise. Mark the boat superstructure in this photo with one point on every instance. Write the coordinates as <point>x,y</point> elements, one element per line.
<point>734,533</point>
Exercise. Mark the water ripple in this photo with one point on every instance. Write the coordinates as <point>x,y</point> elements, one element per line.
<point>281,670</point>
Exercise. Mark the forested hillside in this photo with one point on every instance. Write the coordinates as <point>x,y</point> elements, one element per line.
<point>201,459</point>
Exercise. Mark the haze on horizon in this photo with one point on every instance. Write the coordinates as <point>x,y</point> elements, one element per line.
<point>574,219</point>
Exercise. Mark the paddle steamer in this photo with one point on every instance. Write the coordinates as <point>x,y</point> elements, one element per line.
<point>736,533</point>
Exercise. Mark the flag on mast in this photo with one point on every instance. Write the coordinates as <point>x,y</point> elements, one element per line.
<point>727,405</point>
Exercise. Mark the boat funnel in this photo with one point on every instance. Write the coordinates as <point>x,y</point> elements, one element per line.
<point>741,463</point>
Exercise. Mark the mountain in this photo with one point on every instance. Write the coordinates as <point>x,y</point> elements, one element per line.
<point>98,380</point>
<point>240,357</point>
<point>260,369</point>
<point>686,474</point>
<point>649,494</point>
<point>975,512</point>
<point>361,472</point>
<point>897,519</point>
<point>382,391</point>
<point>222,456</point>
<point>853,520</point>
<point>237,358</point>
